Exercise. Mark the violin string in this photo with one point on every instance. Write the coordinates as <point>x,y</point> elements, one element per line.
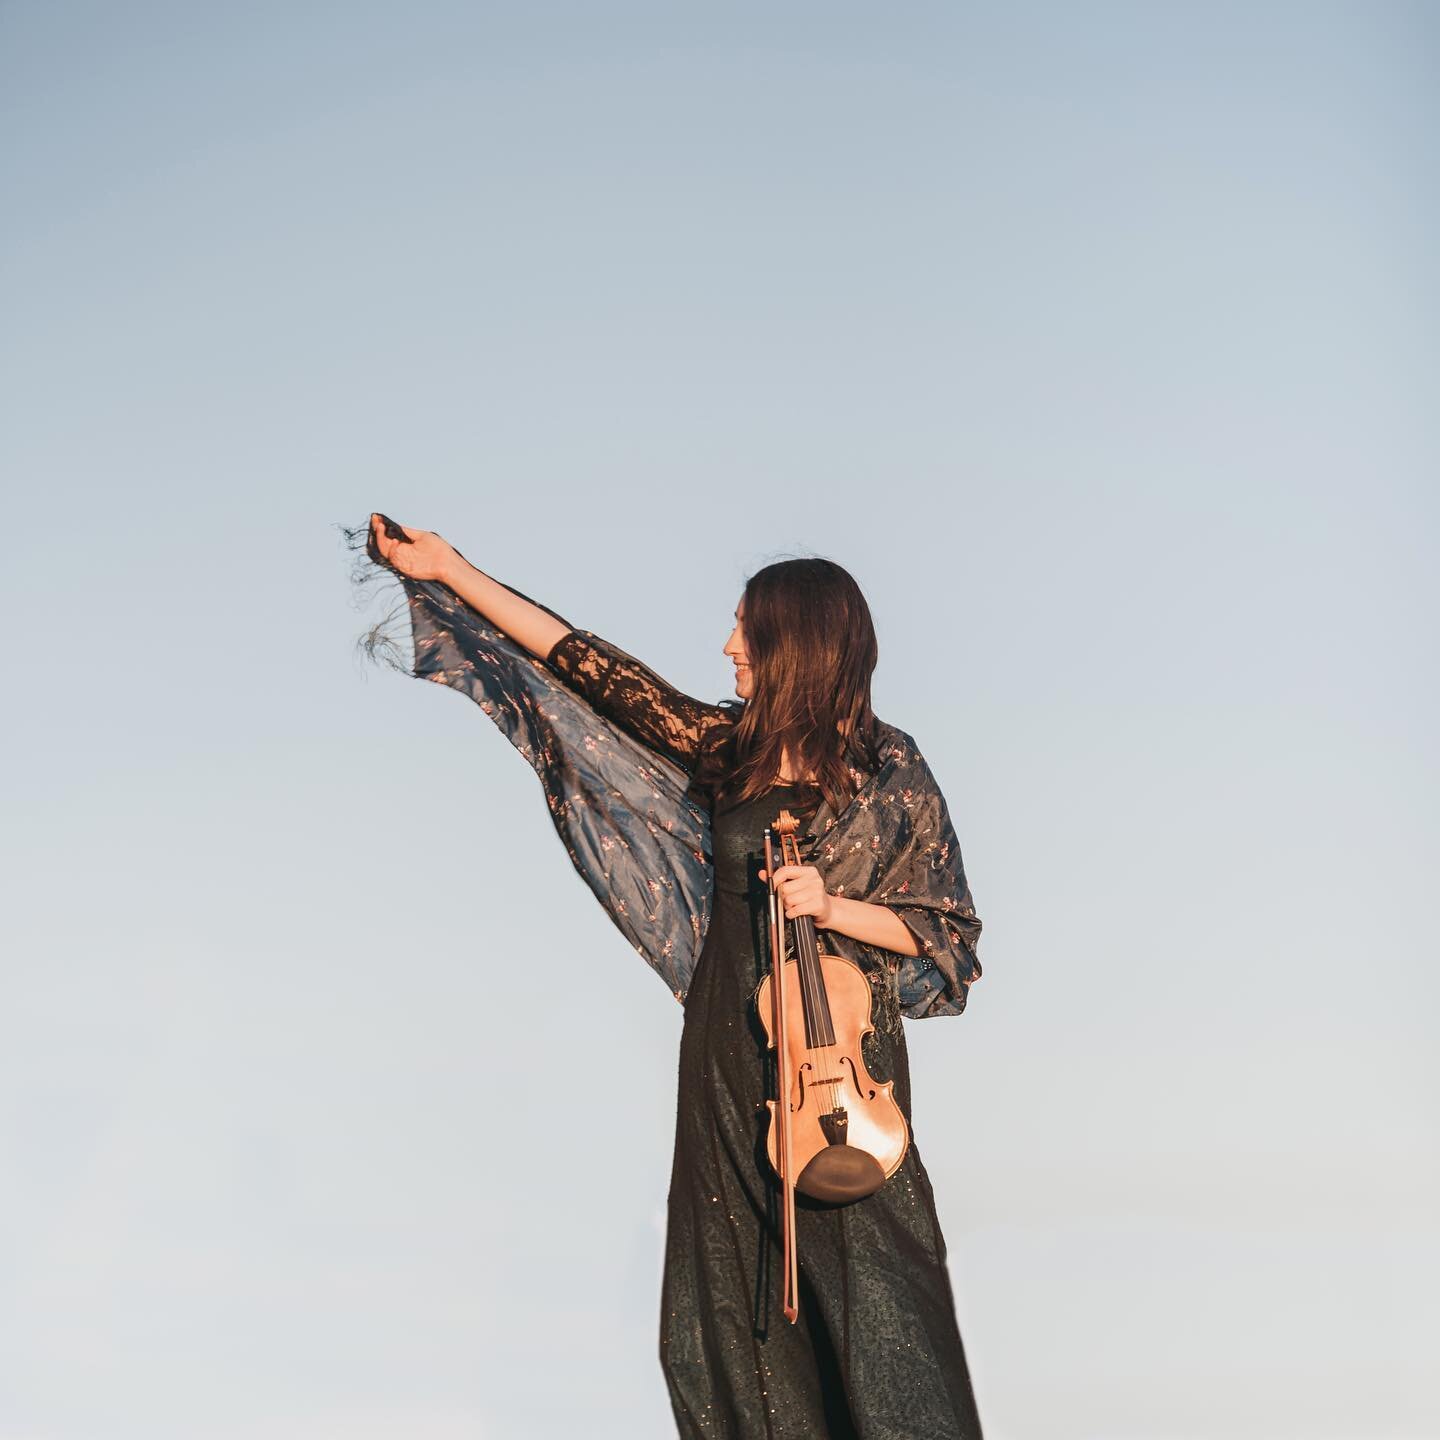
<point>780,912</point>
<point>809,979</point>
<point>815,989</point>
<point>786,849</point>
<point>818,981</point>
<point>816,986</point>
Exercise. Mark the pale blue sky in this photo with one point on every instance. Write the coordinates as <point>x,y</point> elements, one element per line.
<point>1099,342</point>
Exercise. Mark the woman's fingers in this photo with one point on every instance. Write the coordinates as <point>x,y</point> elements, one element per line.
<point>416,553</point>
<point>791,872</point>
<point>801,887</point>
<point>388,535</point>
<point>380,542</point>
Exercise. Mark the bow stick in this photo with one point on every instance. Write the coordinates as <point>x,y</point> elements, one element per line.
<point>782,1085</point>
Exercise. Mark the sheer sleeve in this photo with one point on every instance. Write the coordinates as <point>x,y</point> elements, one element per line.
<point>634,697</point>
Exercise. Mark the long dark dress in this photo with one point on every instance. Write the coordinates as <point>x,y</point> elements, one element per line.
<point>876,1352</point>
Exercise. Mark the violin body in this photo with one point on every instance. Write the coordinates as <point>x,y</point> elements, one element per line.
<point>848,1134</point>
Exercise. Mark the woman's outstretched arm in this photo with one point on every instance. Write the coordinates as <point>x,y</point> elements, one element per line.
<point>613,682</point>
<point>423,555</point>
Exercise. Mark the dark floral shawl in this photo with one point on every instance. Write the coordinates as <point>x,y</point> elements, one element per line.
<point>623,809</point>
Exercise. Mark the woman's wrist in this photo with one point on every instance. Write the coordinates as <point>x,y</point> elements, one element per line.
<point>452,569</point>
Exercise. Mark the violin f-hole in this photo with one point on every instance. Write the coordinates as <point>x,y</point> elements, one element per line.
<point>855,1079</point>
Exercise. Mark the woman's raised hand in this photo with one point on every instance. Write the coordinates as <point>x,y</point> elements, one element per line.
<point>420,554</point>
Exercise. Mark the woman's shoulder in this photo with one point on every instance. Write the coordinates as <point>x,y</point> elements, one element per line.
<point>889,742</point>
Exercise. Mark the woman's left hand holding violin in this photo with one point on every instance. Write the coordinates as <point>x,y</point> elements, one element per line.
<point>802,890</point>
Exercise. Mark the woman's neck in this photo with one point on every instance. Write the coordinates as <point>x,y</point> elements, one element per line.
<point>786,778</point>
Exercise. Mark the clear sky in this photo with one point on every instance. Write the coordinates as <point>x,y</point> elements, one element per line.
<point>1098,341</point>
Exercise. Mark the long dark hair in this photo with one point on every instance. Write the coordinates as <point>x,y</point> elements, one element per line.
<point>811,646</point>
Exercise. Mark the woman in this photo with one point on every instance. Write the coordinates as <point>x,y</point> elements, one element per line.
<point>662,801</point>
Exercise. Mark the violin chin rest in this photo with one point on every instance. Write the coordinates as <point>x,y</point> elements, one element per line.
<point>840,1174</point>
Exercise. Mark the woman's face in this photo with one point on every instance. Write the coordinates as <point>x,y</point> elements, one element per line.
<point>735,649</point>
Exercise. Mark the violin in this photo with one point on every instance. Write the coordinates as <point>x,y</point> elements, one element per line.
<point>840,1134</point>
